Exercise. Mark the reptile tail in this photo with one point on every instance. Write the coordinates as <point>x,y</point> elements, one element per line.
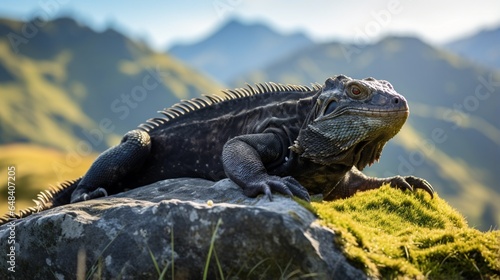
<point>56,196</point>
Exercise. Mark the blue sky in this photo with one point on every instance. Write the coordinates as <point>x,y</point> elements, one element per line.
<point>163,23</point>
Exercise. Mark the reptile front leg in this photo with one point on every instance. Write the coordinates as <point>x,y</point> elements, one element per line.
<point>244,159</point>
<point>355,181</point>
<point>112,165</point>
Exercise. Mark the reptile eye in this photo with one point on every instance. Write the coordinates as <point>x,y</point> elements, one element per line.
<point>357,91</point>
<point>331,107</point>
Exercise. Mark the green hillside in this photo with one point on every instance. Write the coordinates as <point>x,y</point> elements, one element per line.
<point>69,92</point>
<point>36,169</point>
<point>77,90</point>
<point>452,137</point>
<point>68,83</point>
<point>34,107</point>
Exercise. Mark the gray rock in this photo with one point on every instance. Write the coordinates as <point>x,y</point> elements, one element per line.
<point>172,223</point>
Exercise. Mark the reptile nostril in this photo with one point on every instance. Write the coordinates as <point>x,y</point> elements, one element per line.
<point>395,100</point>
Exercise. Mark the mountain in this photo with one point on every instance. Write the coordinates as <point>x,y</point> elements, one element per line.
<point>452,135</point>
<point>237,48</point>
<point>483,47</point>
<point>68,87</point>
<point>63,83</point>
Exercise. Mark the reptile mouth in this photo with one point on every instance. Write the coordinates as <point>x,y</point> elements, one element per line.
<point>377,112</point>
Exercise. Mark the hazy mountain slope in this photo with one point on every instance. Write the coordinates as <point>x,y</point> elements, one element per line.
<point>452,136</point>
<point>36,169</point>
<point>483,47</point>
<point>75,89</point>
<point>34,107</point>
<point>67,82</point>
<point>237,48</point>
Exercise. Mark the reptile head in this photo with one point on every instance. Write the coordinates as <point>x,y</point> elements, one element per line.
<point>351,122</point>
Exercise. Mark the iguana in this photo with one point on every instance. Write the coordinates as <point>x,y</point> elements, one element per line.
<point>288,139</point>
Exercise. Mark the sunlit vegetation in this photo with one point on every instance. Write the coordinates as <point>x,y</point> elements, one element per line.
<point>36,169</point>
<point>393,234</point>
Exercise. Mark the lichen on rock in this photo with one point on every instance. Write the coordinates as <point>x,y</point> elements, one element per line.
<point>173,226</point>
<point>169,226</point>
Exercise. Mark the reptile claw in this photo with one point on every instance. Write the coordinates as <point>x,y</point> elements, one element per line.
<point>412,183</point>
<point>99,192</point>
<point>268,193</point>
<point>419,183</point>
<point>287,186</point>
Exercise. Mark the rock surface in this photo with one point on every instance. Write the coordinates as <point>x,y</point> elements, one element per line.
<point>171,223</point>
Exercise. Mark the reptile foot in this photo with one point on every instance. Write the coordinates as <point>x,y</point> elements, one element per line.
<point>78,196</point>
<point>286,185</point>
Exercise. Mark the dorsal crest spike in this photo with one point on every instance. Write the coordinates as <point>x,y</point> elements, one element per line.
<point>194,103</point>
<point>43,201</point>
<point>229,94</point>
<point>175,110</point>
<point>186,107</point>
<point>260,88</point>
<point>252,90</point>
<point>246,91</point>
<point>42,197</point>
<point>180,108</point>
<point>146,126</point>
<point>274,86</point>
<point>236,93</point>
<point>167,114</point>
<point>266,87</point>
<point>213,98</point>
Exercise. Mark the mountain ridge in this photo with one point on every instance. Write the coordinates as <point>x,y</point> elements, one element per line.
<point>237,47</point>
<point>71,95</point>
<point>481,47</point>
<point>106,84</point>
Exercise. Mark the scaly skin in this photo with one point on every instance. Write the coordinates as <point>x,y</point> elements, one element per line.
<point>292,140</point>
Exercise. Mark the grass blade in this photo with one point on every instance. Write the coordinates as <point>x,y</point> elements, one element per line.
<point>209,256</point>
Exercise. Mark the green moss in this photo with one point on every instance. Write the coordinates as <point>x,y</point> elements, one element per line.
<point>390,233</point>
<point>305,204</point>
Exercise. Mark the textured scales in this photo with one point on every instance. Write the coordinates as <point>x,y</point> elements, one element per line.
<point>289,139</point>
<point>187,106</point>
<point>45,199</point>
